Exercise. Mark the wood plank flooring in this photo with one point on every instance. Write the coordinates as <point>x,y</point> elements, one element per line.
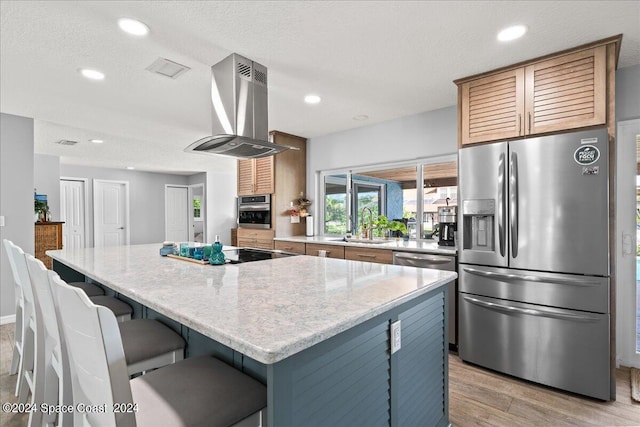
<point>478,397</point>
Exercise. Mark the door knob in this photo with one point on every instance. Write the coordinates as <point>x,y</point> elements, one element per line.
<point>121,228</point>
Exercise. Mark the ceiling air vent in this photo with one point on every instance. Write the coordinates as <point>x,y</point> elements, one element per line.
<point>168,68</point>
<point>65,142</point>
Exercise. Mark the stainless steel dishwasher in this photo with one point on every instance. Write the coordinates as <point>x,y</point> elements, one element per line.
<point>436,262</point>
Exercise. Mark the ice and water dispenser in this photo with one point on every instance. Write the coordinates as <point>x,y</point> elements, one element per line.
<point>479,220</point>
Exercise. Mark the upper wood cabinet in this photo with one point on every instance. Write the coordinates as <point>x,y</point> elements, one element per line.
<point>555,93</point>
<point>492,107</point>
<point>255,176</point>
<point>284,176</point>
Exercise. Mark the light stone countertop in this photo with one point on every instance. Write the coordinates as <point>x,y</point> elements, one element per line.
<point>424,246</point>
<point>267,310</point>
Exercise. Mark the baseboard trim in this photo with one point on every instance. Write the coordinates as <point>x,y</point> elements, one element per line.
<point>4,320</point>
<point>624,362</point>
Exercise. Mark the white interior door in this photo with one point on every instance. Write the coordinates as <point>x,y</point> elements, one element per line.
<point>110,213</point>
<point>72,212</point>
<point>177,213</point>
<point>627,299</point>
<point>197,209</point>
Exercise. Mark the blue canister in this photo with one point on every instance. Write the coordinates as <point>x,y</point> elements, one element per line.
<point>166,249</point>
<point>217,257</point>
<point>184,249</point>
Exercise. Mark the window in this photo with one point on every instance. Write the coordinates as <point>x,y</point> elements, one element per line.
<point>390,191</point>
<point>335,205</point>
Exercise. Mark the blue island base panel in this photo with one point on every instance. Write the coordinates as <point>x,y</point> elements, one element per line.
<point>353,379</point>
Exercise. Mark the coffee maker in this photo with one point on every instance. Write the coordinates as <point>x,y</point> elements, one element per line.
<point>447,217</point>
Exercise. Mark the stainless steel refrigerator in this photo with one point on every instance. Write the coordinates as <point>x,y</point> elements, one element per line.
<point>534,260</point>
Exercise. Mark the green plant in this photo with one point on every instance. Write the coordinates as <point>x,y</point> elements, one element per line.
<point>383,224</point>
<point>40,206</point>
<point>398,226</point>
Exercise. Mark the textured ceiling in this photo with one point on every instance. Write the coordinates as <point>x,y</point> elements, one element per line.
<point>380,59</point>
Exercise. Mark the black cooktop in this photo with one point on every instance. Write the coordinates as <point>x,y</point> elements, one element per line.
<point>237,256</point>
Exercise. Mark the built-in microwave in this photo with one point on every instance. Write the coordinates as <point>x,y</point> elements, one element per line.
<point>254,211</point>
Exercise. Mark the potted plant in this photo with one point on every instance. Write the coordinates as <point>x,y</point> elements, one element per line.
<point>398,228</point>
<point>41,209</point>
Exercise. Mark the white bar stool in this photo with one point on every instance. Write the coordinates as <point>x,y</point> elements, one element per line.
<point>19,329</point>
<point>194,392</point>
<point>29,379</point>
<point>52,361</point>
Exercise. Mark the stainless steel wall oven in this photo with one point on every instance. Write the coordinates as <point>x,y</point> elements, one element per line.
<point>254,211</point>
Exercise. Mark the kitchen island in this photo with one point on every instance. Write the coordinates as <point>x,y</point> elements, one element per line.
<point>315,330</point>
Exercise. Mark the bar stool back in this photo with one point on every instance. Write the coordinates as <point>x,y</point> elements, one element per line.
<point>29,380</point>
<point>19,330</point>
<point>224,397</point>
<point>54,364</point>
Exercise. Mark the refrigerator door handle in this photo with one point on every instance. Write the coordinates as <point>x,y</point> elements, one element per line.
<point>501,204</point>
<point>513,203</point>
<point>517,277</point>
<point>508,309</point>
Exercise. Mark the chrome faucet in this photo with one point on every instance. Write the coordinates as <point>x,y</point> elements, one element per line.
<point>370,228</point>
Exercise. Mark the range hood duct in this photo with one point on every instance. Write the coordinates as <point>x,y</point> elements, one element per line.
<point>239,101</point>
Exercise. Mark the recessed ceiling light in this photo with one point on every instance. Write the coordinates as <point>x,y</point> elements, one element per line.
<point>512,33</point>
<point>361,117</point>
<point>133,27</point>
<point>312,99</point>
<point>96,141</point>
<point>130,168</point>
<point>92,74</point>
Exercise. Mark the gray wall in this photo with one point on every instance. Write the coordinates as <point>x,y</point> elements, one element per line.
<point>146,196</point>
<point>221,191</point>
<point>16,198</point>
<point>432,133</point>
<point>628,93</point>
<point>47,181</point>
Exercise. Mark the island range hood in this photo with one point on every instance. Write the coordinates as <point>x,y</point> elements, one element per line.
<point>239,101</point>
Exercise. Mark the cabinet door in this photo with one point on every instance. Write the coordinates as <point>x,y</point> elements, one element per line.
<point>567,92</point>
<point>264,175</point>
<point>254,238</point>
<point>382,256</point>
<point>245,177</point>
<point>293,247</point>
<point>491,107</point>
<point>47,237</point>
<point>332,251</point>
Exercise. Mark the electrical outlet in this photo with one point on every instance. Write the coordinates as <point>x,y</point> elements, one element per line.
<point>1,220</point>
<point>395,337</point>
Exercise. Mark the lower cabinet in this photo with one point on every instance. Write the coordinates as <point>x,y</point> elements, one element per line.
<point>293,247</point>
<point>48,235</point>
<point>382,256</point>
<point>330,251</point>
<point>255,238</point>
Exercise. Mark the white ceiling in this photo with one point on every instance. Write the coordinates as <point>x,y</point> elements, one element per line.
<point>383,59</point>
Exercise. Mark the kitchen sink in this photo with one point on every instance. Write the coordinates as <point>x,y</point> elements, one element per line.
<point>365,241</point>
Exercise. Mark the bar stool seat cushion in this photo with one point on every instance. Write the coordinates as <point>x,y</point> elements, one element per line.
<point>89,288</point>
<point>119,308</point>
<point>174,395</point>
<point>143,339</point>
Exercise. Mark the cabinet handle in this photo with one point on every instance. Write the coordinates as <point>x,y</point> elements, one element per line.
<point>529,131</point>
<point>287,248</point>
<point>366,256</point>
<point>519,124</point>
